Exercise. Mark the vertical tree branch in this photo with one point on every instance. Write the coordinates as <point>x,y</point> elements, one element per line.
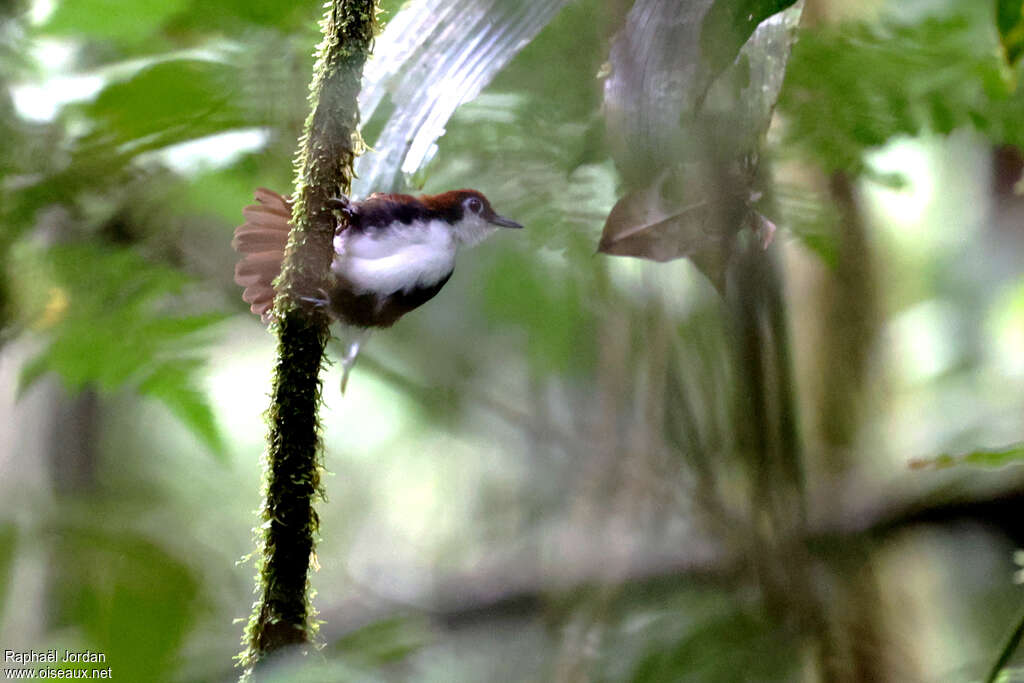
<point>323,165</point>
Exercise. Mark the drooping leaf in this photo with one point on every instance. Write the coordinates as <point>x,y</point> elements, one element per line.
<point>433,56</point>
<point>1010,21</point>
<point>995,458</point>
<point>728,24</point>
<point>658,112</point>
<point>677,141</point>
<point>668,220</point>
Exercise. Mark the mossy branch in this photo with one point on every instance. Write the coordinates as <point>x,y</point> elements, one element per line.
<point>283,615</point>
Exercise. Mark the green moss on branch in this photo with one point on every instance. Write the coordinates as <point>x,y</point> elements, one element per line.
<point>283,615</point>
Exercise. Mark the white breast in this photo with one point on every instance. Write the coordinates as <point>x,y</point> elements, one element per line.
<point>400,257</point>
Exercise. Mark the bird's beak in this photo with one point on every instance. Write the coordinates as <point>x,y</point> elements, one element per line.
<point>504,222</point>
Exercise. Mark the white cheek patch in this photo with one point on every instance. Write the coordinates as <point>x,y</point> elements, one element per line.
<point>397,259</point>
<point>472,231</point>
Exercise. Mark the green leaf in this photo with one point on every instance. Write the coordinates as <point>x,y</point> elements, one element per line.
<point>727,26</point>
<point>233,15</point>
<point>735,646</point>
<point>117,328</point>
<point>1010,20</point>
<point>173,100</point>
<point>1002,457</point>
<point>112,19</point>
<point>173,383</point>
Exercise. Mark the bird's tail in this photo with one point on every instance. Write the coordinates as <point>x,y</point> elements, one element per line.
<point>261,241</point>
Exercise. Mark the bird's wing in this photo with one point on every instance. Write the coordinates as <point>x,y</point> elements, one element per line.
<point>380,209</point>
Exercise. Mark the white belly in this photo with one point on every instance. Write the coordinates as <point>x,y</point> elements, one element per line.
<point>399,258</point>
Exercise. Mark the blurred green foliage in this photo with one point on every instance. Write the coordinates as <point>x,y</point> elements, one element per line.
<point>117,277</point>
<point>1001,457</point>
<point>133,600</point>
<point>853,87</point>
<point>109,326</point>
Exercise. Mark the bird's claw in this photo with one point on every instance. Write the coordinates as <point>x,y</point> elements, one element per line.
<point>340,203</point>
<point>320,302</point>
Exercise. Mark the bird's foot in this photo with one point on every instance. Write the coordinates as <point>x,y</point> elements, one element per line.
<point>340,203</point>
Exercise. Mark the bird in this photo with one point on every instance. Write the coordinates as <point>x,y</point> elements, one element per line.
<point>392,253</point>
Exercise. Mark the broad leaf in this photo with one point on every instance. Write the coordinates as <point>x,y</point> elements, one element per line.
<point>433,56</point>
<point>111,19</point>
<point>128,598</point>
<point>172,101</point>
<point>679,140</point>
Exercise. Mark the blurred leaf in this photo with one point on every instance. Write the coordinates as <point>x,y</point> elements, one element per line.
<point>223,191</point>
<point>427,70</point>
<point>679,144</point>
<point>132,600</point>
<point>856,86</point>
<point>1005,653</point>
<point>113,329</point>
<point>729,24</point>
<point>1003,457</point>
<point>1010,20</point>
<point>174,100</point>
<point>173,383</point>
<point>382,642</point>
<point>8,546</point>
<point>658,104</point>
<point>234,15</point>
<point>522,140</point>
<point>732,647</point>
<point>111,19</point>
<point>812,219</point>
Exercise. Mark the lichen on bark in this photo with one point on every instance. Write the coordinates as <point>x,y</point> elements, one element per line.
<point>288,529</point>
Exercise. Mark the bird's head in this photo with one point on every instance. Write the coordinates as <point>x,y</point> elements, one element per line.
<point>470,214</point>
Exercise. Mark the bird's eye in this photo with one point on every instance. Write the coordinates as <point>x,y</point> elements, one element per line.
<point>475,205</point>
